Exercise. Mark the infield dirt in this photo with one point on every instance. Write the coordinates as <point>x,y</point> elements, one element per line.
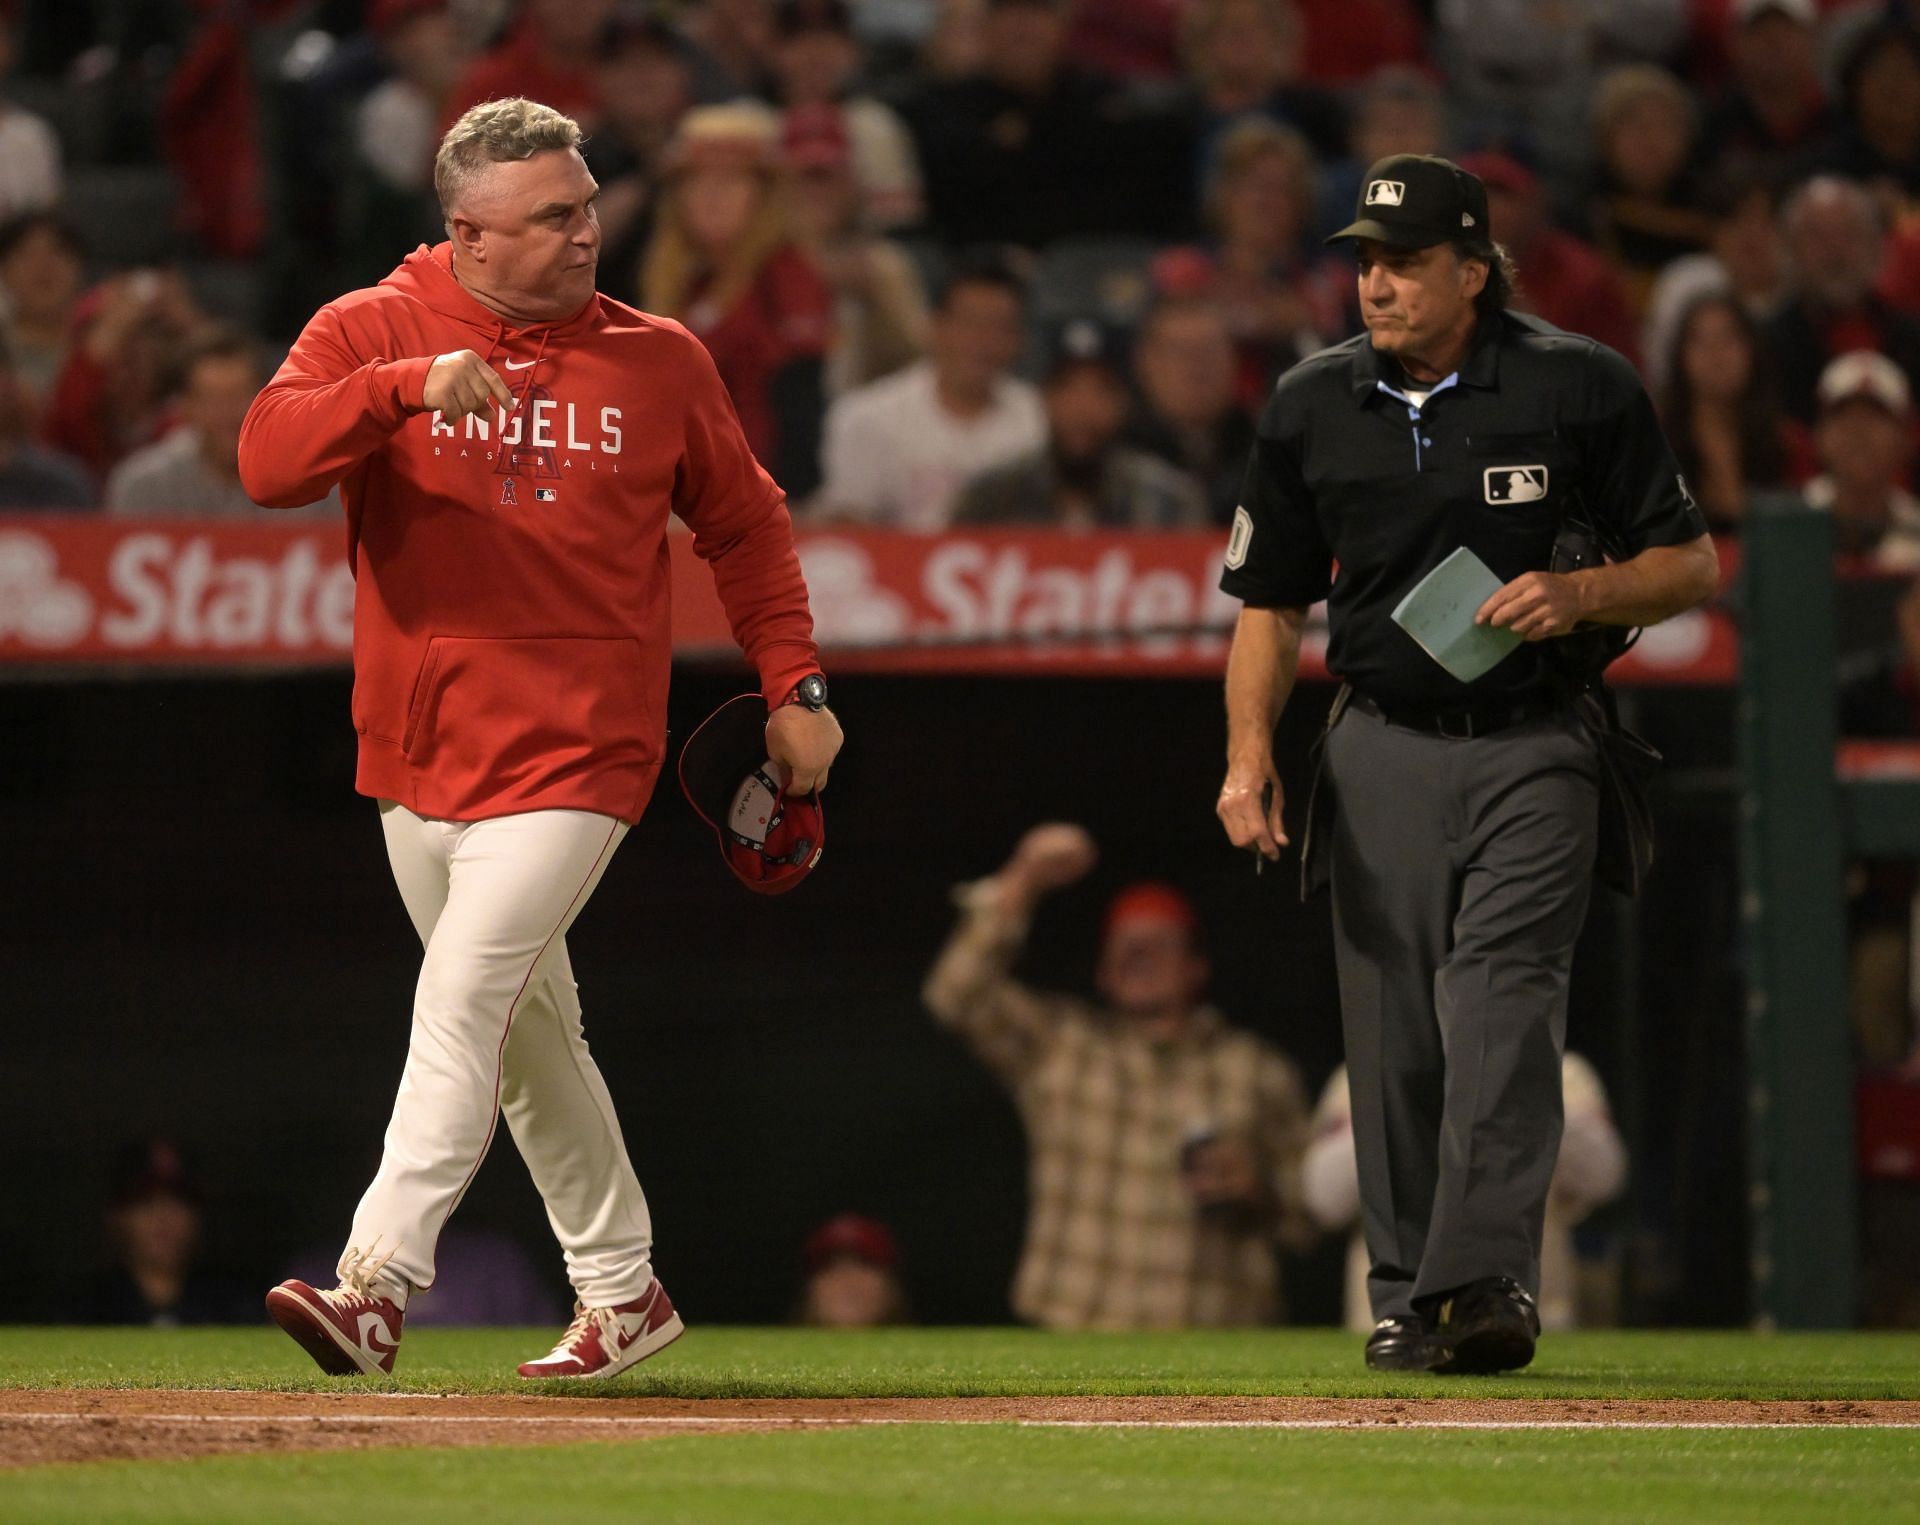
<point>39,1427</point>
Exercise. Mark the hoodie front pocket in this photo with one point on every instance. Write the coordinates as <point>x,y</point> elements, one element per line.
<point>509,707</point>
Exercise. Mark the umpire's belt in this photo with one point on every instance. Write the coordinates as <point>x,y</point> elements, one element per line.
<point>1460,722</point>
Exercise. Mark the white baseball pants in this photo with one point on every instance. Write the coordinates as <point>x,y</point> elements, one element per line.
<point>496,1029</point>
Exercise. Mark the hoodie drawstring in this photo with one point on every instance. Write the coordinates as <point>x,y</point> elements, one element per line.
<point>520,407</point>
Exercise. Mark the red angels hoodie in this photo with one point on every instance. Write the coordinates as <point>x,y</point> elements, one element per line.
<point>511,643</point>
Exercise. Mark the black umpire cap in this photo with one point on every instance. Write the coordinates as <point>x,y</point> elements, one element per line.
<point>1413,201</point>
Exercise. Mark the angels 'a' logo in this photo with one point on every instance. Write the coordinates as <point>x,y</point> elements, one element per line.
<point>518,454</point>
<point>509,494</point>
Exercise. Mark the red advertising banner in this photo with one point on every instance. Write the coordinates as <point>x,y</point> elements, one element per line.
<point>81,592</point>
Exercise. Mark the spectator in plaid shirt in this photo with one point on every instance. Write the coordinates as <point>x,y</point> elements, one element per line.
<point>1165,1144</point>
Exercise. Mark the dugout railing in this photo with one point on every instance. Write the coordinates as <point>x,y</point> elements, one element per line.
<point>1806,814</point>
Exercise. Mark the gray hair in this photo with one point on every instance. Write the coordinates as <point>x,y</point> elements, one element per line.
<point>496,132</point>
<point>1832,189</point>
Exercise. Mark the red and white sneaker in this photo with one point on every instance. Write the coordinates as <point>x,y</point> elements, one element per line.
<point>353,1329</point>
<point>602,1342</point>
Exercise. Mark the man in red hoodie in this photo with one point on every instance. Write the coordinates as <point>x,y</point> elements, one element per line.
<point>509,446</point>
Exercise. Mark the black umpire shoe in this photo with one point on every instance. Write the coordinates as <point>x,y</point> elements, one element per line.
<point>1406,1342</point>
<point>1487,1326</point>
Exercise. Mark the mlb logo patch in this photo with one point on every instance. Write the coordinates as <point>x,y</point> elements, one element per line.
<point>544,495</point>
<point>1386,193</point>
<point>1515,484</point>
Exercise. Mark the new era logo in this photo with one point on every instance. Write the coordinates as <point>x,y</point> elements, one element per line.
<point>1515,484</point>
<point>1386,193</point>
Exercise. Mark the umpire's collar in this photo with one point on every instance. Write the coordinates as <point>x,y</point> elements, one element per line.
<point>1481,368</point>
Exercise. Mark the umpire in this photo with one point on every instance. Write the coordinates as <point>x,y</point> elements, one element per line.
<point>1463,822</point>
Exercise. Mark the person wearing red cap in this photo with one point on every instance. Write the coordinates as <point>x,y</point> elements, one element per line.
<point>880,313</point>
<point>853,1276</point>
<point>154,1218</point>
<point>1164,1144</point>
<point>509,446</point>
<point>817,60</point>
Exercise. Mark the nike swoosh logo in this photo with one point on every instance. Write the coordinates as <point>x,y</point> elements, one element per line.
<point>628,1328</point>
<point>375,1335</point>
<point>521,365</point>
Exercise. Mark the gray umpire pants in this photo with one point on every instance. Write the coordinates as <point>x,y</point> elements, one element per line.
<point>1460,875</point>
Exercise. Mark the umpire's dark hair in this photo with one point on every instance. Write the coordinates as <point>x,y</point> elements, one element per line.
<point>985,265</point>
<point>1502,279</point>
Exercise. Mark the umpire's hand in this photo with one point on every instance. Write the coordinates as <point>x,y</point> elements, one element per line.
<point>1250,806</point>
<point>804,742</point>
<point>1536,605</point>
<point>459,383</point>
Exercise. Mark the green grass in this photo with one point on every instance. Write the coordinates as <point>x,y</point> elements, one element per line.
<point>796,1363</point>
<point>999,1475</point>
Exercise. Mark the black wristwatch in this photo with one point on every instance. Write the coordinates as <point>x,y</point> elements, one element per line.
<point>810,691</point>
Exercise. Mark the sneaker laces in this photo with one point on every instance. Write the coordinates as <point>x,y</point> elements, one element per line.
<point>358,1268</point>
<point>588,1321</point>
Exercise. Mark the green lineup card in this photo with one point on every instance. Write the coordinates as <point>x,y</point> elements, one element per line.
<point>1439,613</point>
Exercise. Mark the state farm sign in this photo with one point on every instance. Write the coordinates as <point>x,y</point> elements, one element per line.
<point>76,590</point>
<point>86,590</point>
<point>1020,600</point>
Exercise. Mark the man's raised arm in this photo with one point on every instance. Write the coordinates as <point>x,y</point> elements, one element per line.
<point>326,411</point>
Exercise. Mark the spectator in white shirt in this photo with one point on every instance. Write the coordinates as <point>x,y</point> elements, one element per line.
<point>1591,1171</point>
<point>194,470</point>
<point>899,450</point>
<point>29,152</point>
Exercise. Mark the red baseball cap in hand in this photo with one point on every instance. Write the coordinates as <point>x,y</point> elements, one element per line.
<point>769,838</point>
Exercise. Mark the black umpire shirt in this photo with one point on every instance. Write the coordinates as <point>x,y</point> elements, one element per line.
<point>1354,493</point>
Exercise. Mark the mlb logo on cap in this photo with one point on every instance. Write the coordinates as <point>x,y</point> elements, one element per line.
<point>1515,484</point>
<point>544,495</point>
<point>1414,201</point>
<point>769,838</point>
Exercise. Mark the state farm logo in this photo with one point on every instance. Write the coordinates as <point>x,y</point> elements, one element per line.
<point>37,607</point>
<point>850,607</point>
<point>978,593</point>
<point>85,589</point>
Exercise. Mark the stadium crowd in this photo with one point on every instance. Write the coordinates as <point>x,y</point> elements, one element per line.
<point>981,261</point>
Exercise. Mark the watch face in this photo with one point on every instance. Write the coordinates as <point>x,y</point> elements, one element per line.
<point>813,691</point>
